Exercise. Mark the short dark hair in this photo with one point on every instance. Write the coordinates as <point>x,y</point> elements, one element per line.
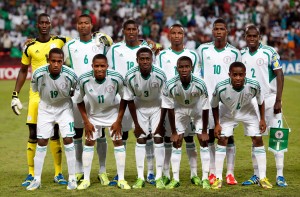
<point>99,56</point>
<point>57,51</point>
<point>130,21</point>
<point>144,50</point>
<point>185,58</point>
<point>251,27</point>
<point>85,15</point>
<point>237,64</point>
<point>42,15</point>
<point>176,25</point>
<point>219,20</point>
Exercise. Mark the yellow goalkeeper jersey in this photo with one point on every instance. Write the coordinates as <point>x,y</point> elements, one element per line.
<point>35,53</point>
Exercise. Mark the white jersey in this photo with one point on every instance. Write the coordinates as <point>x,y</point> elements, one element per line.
<point>175,95</point>
<point>81,54</point>
<point>237,103</point>
<point>54,90</point>
<point>101,95</point>
<point>122,57</point>
<point>167,61</point>
<point>145,91</point>
<point>215,63</point>
<point>260,66</point>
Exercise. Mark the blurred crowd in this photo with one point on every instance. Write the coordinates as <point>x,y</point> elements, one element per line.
<point>279,20</point>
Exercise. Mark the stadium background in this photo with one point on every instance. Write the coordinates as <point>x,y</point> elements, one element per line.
<point>279,21</point>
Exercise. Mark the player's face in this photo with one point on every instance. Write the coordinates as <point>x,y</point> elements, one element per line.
<point>100,67</point>
<point>176,36</point>
<point>145,62</point>
<point>131,32</point>
<point>237,76</point>
<point>252,38</point>
<point>84,26</point>
<point>55,63</point>
<point>184,68</point>
<point>219,32</point>
<point>44,25</point>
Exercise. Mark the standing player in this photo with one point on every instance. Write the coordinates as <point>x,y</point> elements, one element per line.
<point>122,57</point>
<point>145,83</point>
<point>79,52</point>
<point>55,83</point>
<point>262,63</point>
<point>215,58</point>
<point>100,86</point>
<point>186,98</point>
<point>35,54</point>
<point>236,94</point>
<point>167,61</point>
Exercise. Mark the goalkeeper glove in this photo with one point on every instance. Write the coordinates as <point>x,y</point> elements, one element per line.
<point>102,39</point>
<point>16,104</point>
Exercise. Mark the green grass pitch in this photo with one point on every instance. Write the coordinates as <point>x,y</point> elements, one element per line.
<point>13,168</point>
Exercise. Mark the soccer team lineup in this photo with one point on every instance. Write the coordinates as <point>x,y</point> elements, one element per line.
<point>86,90</point>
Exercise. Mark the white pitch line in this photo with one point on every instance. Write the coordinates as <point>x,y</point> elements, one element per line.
<point>292,79</point>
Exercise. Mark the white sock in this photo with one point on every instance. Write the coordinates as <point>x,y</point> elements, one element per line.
<point>254,162</point>
<point>175,161</point>
<point>220,156</point>
<point>205,160</point>
<point>168,153</point>
<point>120,157</point>
<point>150,156</point>
<point>87,158</point>
<point>230,154</point>
<point>212,151</point>
<point>78,152</point>
<point>102,150</point>
<point>192,155</point>
<point>39,159</point>
<point>159,151</point>
<point>140,153</point>
<point>279,158</point>
<point>260,154</point>
<point>71,160</point>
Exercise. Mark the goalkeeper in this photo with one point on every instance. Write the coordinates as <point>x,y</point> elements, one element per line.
<point>79,53</point>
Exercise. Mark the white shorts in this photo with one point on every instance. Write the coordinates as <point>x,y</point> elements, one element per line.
<point>189,131</point>
<point>78,122</point>
<point>186,119</point>
<point>49,115</point>
<point>272,120</point>
<point>251,126</point>
<point>148,120</point>
<point>98,133</point>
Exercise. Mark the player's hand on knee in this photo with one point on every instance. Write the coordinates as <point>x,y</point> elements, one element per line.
<point>116,129</point>
<point>204,136</point>
<point>16,104</point>
<point>138,131</point>
<point>262,126</point>
<point>174,137</point>
<point>89,129</point>
<point>217,131</point>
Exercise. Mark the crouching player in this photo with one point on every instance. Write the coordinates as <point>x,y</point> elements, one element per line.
<point>55,83</point>
<point>185,97</point>
<point>236,94</point>
<point>101,87</point>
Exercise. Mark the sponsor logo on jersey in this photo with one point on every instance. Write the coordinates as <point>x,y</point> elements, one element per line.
<point>227,59</point>
<point>91,90</point>
<point>76,51</point>
<point>168,61</point>
<point>121,55</point>
<point>208,58</point>
<point>109,88</point>
<point>195,94</point>
<point>260,62</point>
<point>228,98</point>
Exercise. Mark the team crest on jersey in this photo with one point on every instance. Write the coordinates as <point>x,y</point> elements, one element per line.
<point>52,46</point>
<point>63,85</point>
<point>260,61</point>
<point>109,89</point>
<point>247,97</point>
<point>154,85</point>
<point>227,59</point>
<point>195,94</point>
<point>95,49</point>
